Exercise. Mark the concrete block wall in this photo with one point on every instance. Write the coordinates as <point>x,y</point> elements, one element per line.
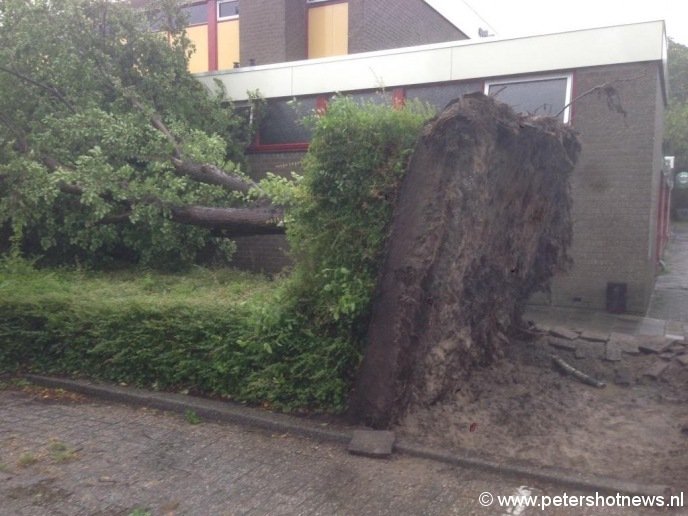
<point>614,188</point>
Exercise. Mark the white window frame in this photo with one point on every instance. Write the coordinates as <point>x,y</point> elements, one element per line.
<point>538,78</point>
<point>225,18</point>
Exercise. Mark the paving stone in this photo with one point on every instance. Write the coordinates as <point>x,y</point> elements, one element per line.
<point>667,355</point>
<point>678,346</point>
<point>594,336</point>
<point>656,370</point>
<point>627,343</point>
<point>562,343</point>
<point>624,378</point>
<point>653,344</point>
<point>612,352</point>
<point>563,333</point>
<point>581,352</point>
<point>674,330</point>
<point>372,443</point>
<point>683,360</point>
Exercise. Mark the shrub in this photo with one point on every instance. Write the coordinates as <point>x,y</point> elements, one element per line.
<point>289,344</point>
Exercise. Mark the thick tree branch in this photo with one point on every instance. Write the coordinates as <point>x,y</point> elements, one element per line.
<point>210,174</point>
<point>201,172</point>
<point>232,221</point>
<point>236,221</point>
<point>50,89</point>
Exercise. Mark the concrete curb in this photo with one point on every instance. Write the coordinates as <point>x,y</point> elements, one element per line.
<point>281,423</point>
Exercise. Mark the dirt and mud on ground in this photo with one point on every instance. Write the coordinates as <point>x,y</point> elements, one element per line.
<point>525,408</point>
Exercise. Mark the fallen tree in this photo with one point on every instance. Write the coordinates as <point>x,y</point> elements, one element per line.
<point>107,141</point>
<point>482,221</point>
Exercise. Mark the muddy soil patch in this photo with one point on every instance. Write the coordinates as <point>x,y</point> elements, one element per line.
<point>524,409</point>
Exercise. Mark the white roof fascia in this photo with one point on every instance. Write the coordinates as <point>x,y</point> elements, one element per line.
<point>452,61</point>
<point>462,16</point>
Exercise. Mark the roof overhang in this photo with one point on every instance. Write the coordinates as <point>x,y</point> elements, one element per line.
<point>452,61</point>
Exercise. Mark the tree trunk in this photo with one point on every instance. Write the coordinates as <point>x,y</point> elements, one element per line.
<point>235,221</point>
<point>482,221</point>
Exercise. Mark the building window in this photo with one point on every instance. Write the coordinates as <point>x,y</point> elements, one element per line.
<point>546,96</point>
<point>282,125</point>
<point>227,10</point>
<point>196,14</point>
<point>440,95</point>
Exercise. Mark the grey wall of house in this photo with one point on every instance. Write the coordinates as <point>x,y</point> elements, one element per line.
<point>276,37</point>
<point>615,189</point>
<point>383,24</point>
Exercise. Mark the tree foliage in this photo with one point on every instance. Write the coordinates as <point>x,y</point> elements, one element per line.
<point>107,142</point>
<point>676,120</point>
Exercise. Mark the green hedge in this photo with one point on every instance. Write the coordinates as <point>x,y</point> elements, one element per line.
<point>291,344</point>
<point>175,332</point>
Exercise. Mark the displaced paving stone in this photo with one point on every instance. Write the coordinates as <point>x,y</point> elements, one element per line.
<point>581,352</point>
<point>677,346</point>
<point>683,360</point>
<point>624,378</point>
<point>563,333</point>
<point>627,343</point>
<point>653,344</point>
<point>674,330</point>
<point>594,336</point>
<point>655,371</point>
<point>667,355</point>
<point>562,343</point>
<point>612,352</point>
<point>372,443</point>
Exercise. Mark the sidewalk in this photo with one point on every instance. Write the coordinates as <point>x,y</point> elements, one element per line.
<point>667,314</point>
<point>670,298</point>
<point>62,454</point>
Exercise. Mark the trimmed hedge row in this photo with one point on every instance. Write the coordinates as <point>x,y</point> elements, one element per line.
<point>248,352</point>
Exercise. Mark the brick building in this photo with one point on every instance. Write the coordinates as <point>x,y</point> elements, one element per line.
<point>230,33</point>
<point>620,185</point>
<point>306,50</point>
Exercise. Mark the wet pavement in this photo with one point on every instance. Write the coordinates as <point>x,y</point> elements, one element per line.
<point>667,314</point>
<point>78,456</point>
<point>670,298</point>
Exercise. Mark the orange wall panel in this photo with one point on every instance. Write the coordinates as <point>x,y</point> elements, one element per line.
<point>328,30</point>
<point>198,34</point>
<point>227,44</point>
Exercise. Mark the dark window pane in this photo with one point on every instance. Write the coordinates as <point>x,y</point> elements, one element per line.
<point>375,97</point>
<point>227,9</point>
<point>196,13</point>
<point>442,94</point>
<point>538,97</point>
<point>282,122</point>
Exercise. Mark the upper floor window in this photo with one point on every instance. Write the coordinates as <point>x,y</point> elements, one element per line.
<point>227,10</point>
<point>196,13</point>
<point>547,96</point>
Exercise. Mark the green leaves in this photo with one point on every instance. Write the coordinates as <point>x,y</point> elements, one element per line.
<point>342,207</point>
<point>79,81</point>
